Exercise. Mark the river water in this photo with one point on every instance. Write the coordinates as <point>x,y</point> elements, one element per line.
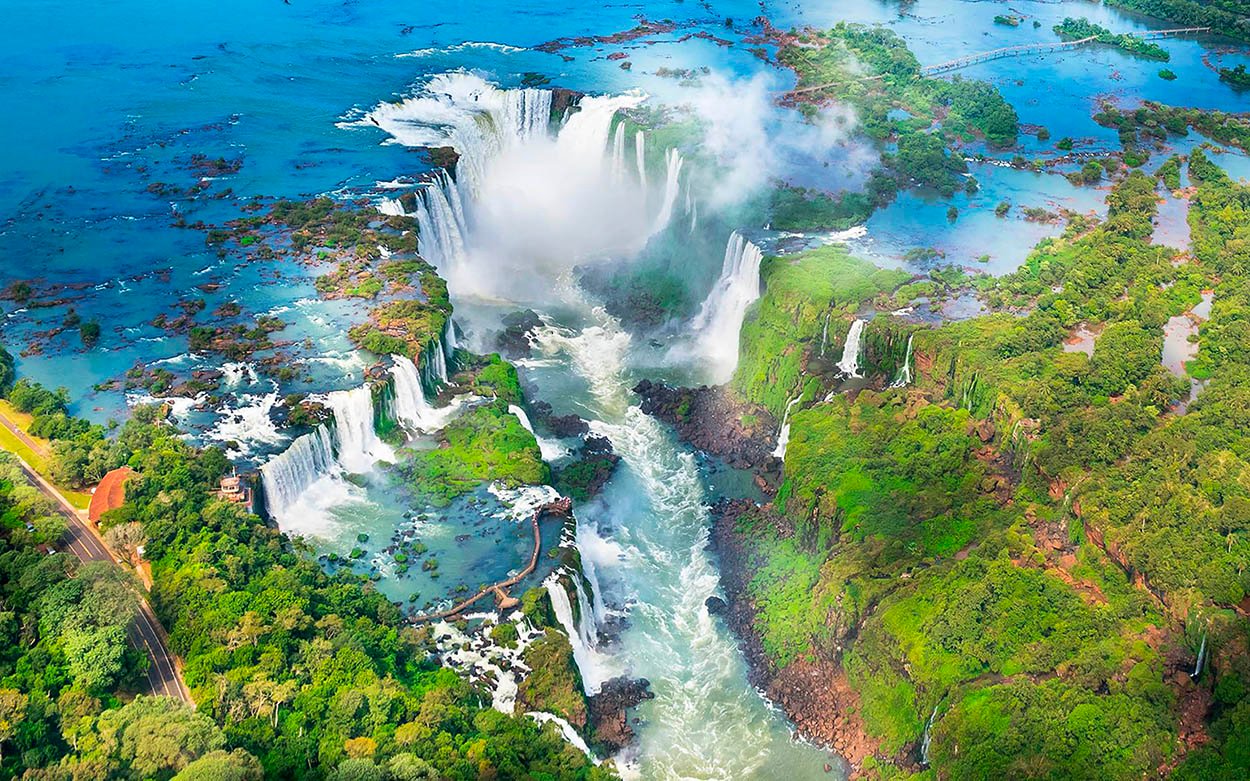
<point>112,100</point>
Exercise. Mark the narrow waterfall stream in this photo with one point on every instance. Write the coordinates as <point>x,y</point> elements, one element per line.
<point>849,363</point>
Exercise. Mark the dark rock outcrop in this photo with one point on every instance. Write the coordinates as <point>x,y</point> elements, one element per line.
<point>561,426</point>
<point>712,420</point>
<point>609,718</point>
<point>514,340</point>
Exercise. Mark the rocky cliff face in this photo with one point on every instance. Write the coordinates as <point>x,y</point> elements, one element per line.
<point>813,693</point>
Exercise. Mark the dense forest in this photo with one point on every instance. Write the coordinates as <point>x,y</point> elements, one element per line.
<point>1032,562</point>
<point>295,673</point>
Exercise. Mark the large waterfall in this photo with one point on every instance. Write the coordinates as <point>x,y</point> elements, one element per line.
<point>672,183</point>
<point>350,444</point>
<point>287,475</point>
<point>412,411</point>
<point>490,230</point>
<point>359,447</point>
<point>582,634</point>
<point>849,365</point>
<point>440,218</point>
<point>719,320</point>
<point>551,450</point>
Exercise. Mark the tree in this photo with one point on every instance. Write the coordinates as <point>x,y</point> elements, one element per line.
<point>157,735</point>
<point>12,713</point>
<point>95,656</point>
<point>220,765</point>
<point>49,529</point>
<point>126,539</point>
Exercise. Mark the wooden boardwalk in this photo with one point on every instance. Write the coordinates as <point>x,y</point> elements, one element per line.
<point>560,507</point>
<point>1042,48</point>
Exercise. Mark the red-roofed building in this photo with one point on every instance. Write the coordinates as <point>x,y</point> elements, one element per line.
<point>109,494</point>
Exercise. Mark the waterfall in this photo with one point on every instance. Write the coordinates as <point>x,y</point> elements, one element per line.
<point>434,366</point>
<point>583,646</point>
<point>391,207</point>
<point>526,114</point>
<point>849,365</point>
<point>590,546</point>
<point>783,436</point>
<point>824,334</point>
<point>618,154</point>
<point>551,451</point>
<point>358,445</point>
<point>719,319</point>
<point>412,411</point>
<point>441,223</point>
<point>566,730</point>
<point>673,163</point>
<point>640,159</point>
<point>904,375</point>
<point>288,474</point>
<point>1202,657</point>
<point>586,616</point>
<point>451,342</point>
<point>928,737</point>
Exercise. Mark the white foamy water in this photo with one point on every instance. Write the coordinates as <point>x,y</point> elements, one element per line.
<point>551,450</point>
<point>706,721</point>
<point>719,320</point>
<point>489,230</point>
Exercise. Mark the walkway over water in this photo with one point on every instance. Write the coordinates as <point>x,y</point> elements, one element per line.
<point>563,508</point>
<point>1042,48</point>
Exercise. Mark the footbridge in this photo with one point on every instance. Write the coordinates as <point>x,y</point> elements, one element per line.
<point>1043,48</point>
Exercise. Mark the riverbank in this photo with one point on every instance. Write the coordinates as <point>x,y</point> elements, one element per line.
<point>813,693</point>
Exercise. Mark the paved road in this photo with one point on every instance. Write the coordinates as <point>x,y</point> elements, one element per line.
<point>145,631</point>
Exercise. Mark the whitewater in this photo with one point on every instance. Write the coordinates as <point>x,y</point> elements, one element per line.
<point>590,192</point>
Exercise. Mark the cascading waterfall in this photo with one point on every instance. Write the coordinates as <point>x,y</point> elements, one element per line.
<point>451,342</point>
<point>440,218</point>
<point>566,730</point>
<point>359,447</point>
<point>904,374</point>
<point>287,475</point>
<point>707,722</point>
<point>551,451</point>
<point>391,207</point>
<point>928,737</point>
<point>824,334</point>
<point>586,624</point>
<point>412,411</point>
<point>618,154</point>
<point>719,319</point>
<point>1202,657</point>
<point>673,162</point>
<point>434,366</point>
<point>640,158</point>
<point>590,545</point>
<point>783,436</point>
<point>849,364</point>
<point>584,654</point>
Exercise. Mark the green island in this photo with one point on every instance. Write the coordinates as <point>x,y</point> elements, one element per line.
<point>1080,29</point>
<point>871,69</point>
<point>1229,17</point>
